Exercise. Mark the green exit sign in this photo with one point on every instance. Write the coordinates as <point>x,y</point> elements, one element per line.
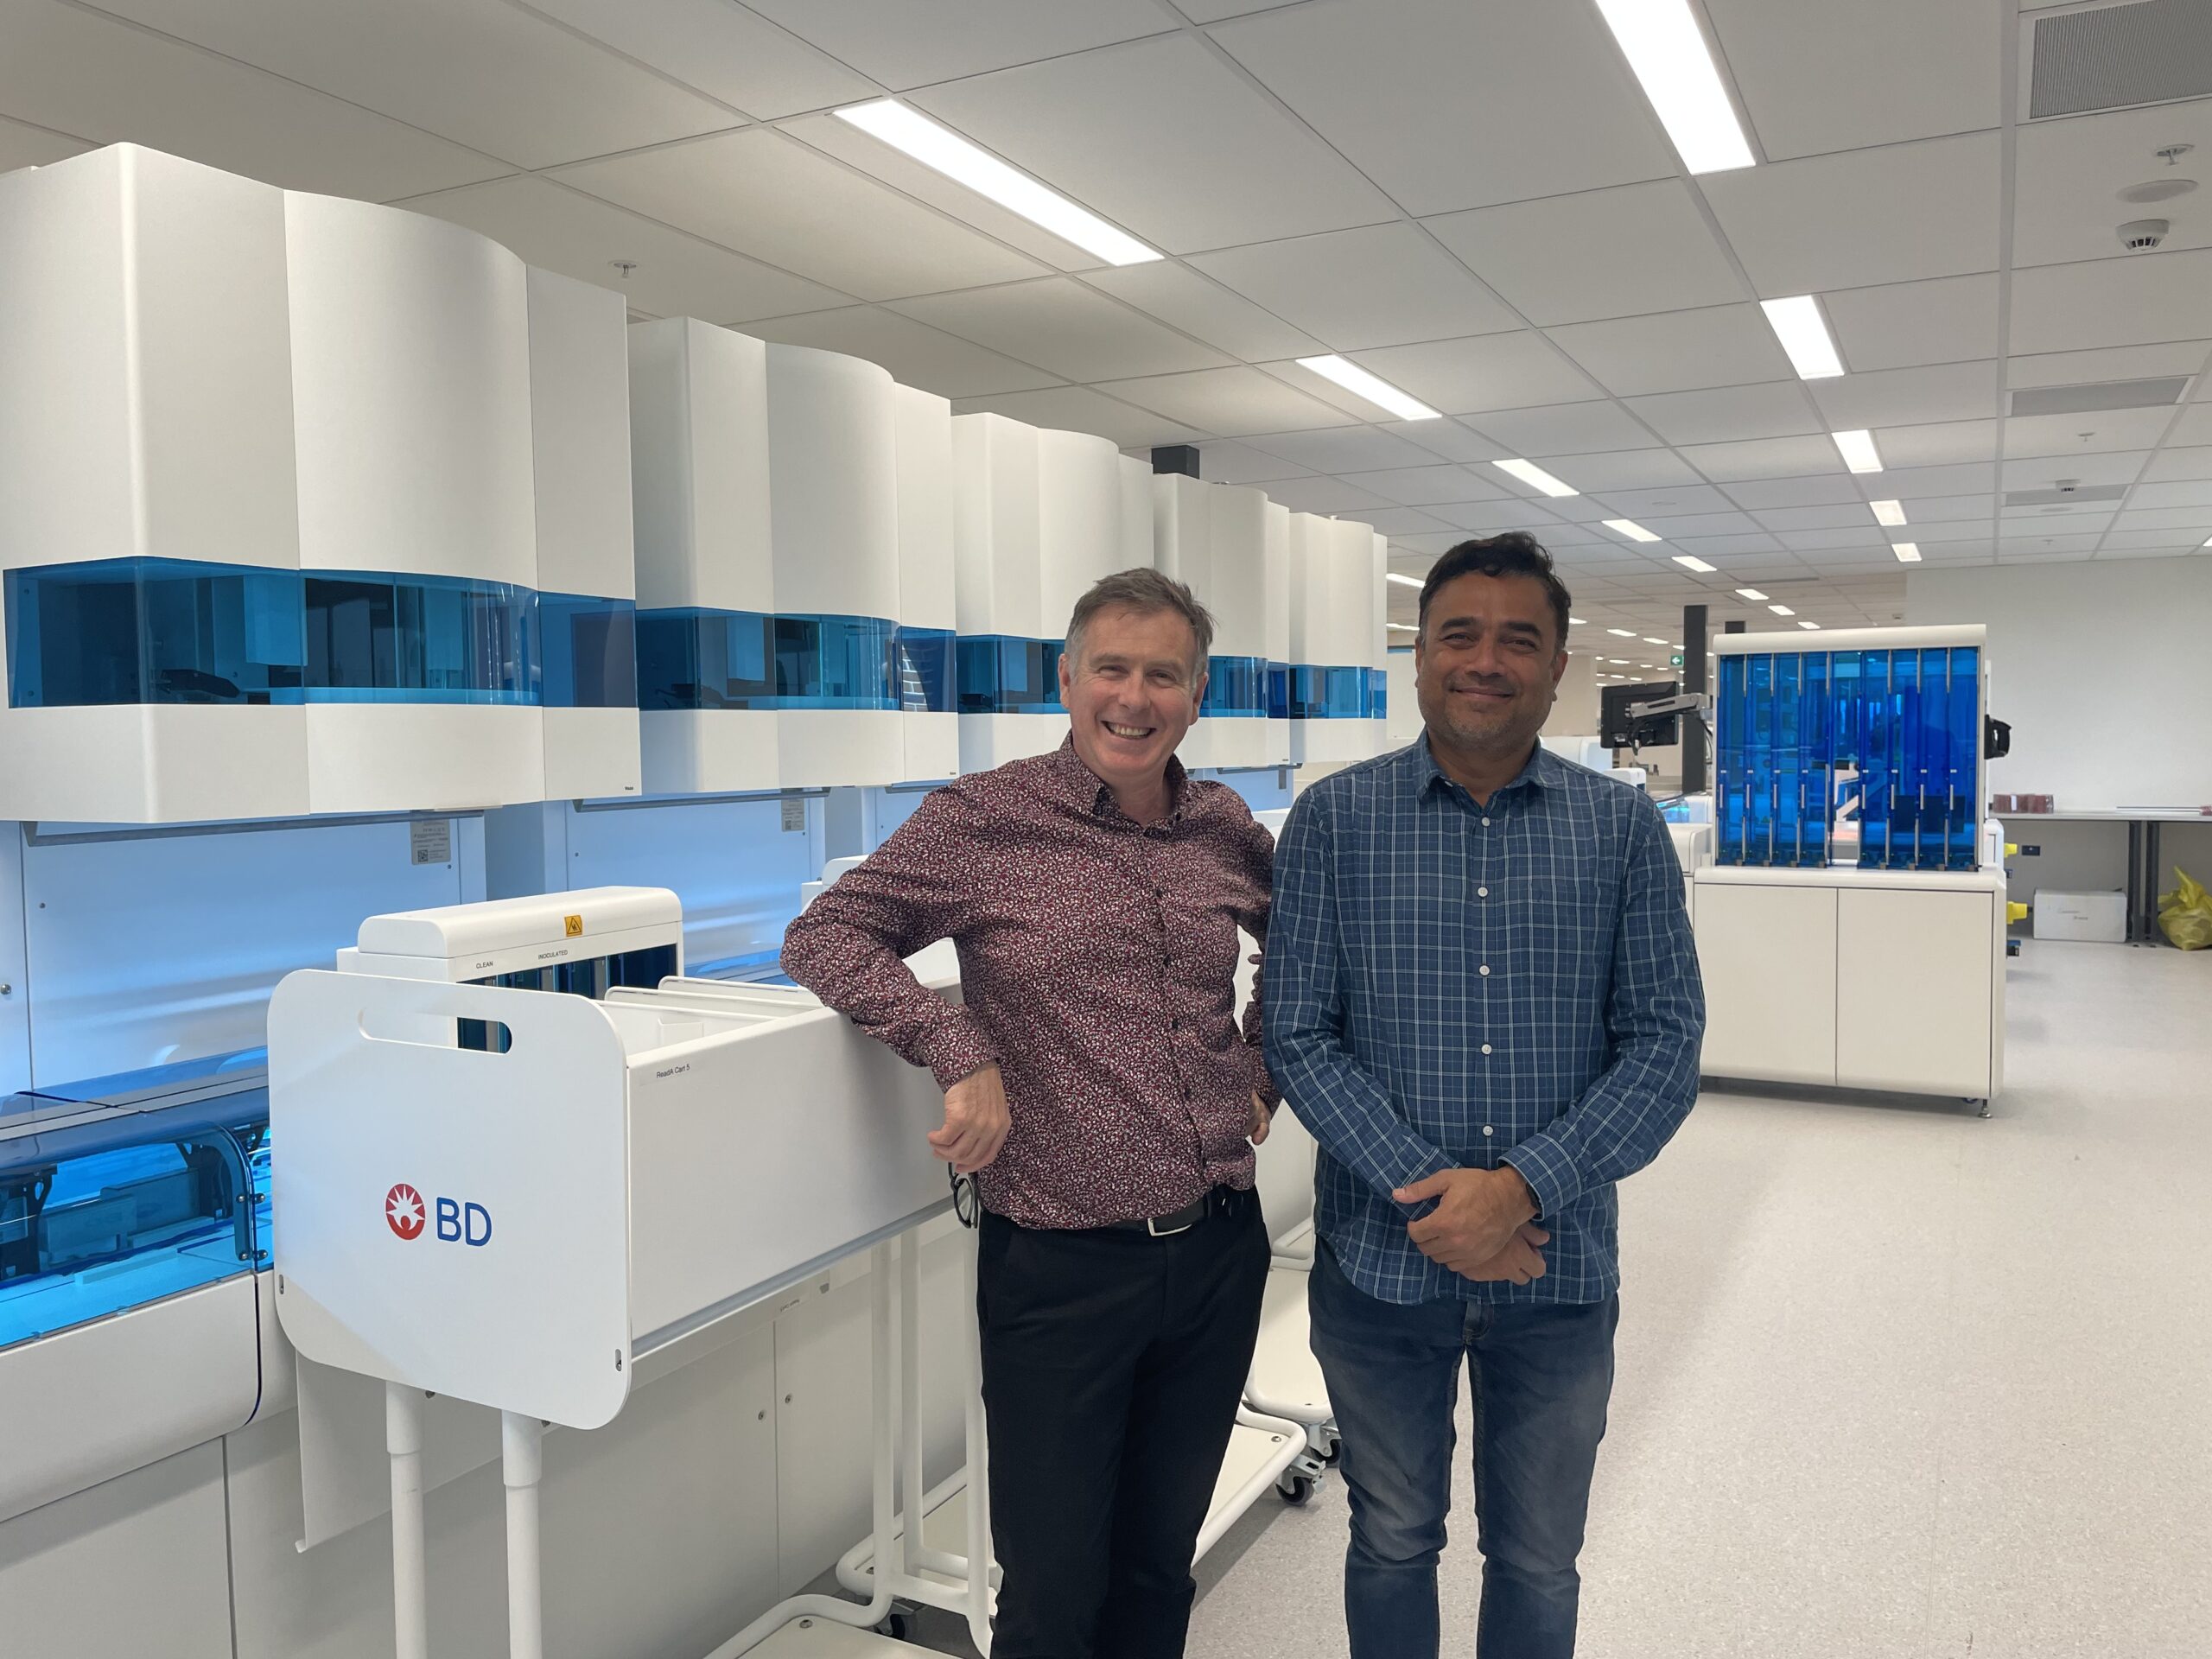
<point>1677,660</point>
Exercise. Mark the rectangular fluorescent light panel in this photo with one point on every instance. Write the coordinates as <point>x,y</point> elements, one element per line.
<point>1907,552</point>
<point>1803,332</point>
<point>1781,610</point>
<point>938,147</point>
<point>1529,473</point>
<point>1629,528</point>
<point>1690,561</point>
<point>1405,581</point>
<point>1751,593</point>
<point>1662,42</point>
<point>1649,640</point>
<point>1857,450</point>
<point>1378,391</point>
<point>1577,621</point>
<point>1402,627</point>
<point>1888,512</point>
<point>1808,624</point>
<point>1623,633</point>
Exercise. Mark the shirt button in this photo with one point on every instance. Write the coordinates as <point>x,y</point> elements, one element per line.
<point>1484,970</point>
<point>1486,1129</point>
<point>1482,893</point>
<point>1486,824</point>
<point>1485,1048</point>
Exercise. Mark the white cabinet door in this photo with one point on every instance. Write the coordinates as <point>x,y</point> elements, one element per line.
<point>1769,958</point>
<point>1913,992</point>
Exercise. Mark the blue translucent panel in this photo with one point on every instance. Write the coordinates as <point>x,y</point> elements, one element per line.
<point>1319,692</point>
<point>587,652</point>
<point>1816,721</point>
<point>999,674</point>
<point>1378,694</point>
<point>375,638</point>
<point>834,662</point>
<point>1962,849</point>
<point>691,658</point>
<point>1877,759</point>
<point>1277,690</point>
<point>100,1217</point>
<point>1760,761</point>
<point>164,630</point>
<point>924,669</point>
<point>1789,760</point>
<point>1237,688</point>
<point>1731,718</point>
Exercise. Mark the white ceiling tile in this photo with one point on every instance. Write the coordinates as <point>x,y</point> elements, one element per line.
<point>2106,429</point>
<point>763,193</point>
<point>904,45</point>
<point>1199,306</point>
<point>2041,547</point>
<point>107,82</point>
<point>1675,350</point>
<point>1079,408</point>
<point>2112,363</point>
<point>1624,469</point>
<point>2071,173</point>
<point>480,73</point>
<point>1896,215</point>
<point>1332,495</point>
<point>2195,426</point>
<point>2135,542</point>
<point>1900,325</point>
<point>1212,11</point>
<point>1915,483</point>
<point>1472,376</point>
<point>23,145</point>
<point>1224,462</point>
<point>2042,473</point>
<point>1485,517</point>
<point>916,354</point>
<point>1404,521</point>
<point>1416,487</point>
<point>1758,495</point>
<point>1776,409</point>
<point>1727,463</point>
<point>1692,526</point>
<point>1944,443</point>
<point>2027,523</point>
<point>1621,252</point>
<point>1163,137</point>
<point>1811,541</point>
<point>1944,510</point>
<point>727,52</point>
<point>2198,520</point>
<point>1446,95</point>
<point>2180,463</point>
<point>1565,429</point>
<point>1422,545</point>
<point>1665,501</point>
<point>1804,66</point>
<point>1063,327</point>
<point>1730,547</point>
<point>1448,440</point>
<point>1342,449</point>
<point>1232,403</point>
<point>2141,300</point>
<point>1378,285</point>
<point>1915,397</point>
<point>579,236</point>
<point>1938,535</point>
<point>1854,514</point>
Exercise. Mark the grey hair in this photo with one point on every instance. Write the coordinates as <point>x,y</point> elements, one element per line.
<point>1146,591</point>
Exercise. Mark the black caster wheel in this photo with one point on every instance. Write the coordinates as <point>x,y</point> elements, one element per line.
<point>900,1627</point>
<point>1336,1450</point>
<point>1296,1490</point>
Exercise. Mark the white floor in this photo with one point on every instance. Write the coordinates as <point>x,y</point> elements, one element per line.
<point>1894,1381</point>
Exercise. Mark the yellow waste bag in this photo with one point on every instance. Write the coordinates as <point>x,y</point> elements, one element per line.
<point>2186,914</point>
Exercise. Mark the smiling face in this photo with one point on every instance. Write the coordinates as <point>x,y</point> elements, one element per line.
<point>1132,694</point>
<point>1487,666</point>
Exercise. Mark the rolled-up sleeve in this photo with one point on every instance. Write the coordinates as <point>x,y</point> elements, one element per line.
<point>1655,1023</point>
<point>847,946</point>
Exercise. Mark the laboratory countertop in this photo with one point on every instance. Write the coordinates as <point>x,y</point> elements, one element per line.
<point>2111,815</point>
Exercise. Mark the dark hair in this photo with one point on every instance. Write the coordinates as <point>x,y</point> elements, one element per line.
<point>1515,553</point>
<point>1145,591</point>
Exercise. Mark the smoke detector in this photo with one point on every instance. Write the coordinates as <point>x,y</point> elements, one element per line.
<point>2140,235</point>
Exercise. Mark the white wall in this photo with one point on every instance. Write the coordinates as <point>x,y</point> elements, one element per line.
<point>2104,670</point>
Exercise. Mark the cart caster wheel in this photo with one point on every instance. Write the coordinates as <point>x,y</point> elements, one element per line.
<point>1296,1490</point>
<point>1335,1451</point>
<point>897,1626</point>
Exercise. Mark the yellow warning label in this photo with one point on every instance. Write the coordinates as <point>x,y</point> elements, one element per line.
<point>576,927</point>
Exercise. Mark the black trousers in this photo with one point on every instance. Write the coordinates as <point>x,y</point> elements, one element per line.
<point>1113,1363</point>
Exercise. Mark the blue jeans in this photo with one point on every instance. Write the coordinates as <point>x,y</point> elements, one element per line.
<point>1541,1379</point>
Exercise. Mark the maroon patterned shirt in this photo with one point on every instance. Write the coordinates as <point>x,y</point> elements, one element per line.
<point>1098,961</point>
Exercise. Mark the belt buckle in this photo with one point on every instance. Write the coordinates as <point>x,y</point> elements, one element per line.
<point>1152,1226</point>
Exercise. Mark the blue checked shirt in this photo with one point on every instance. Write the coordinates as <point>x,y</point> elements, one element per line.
<point>1454,986</point>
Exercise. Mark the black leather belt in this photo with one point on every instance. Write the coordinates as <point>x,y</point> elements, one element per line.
<point>1222,1200</point>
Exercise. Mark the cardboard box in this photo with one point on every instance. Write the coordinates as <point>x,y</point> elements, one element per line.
<point>2101,918</point>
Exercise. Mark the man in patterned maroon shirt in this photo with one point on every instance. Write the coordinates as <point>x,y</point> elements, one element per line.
<point>1097,1077</point>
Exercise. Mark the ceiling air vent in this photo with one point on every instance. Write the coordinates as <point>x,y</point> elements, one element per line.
<point>2117,56</point>
<point>2065,496</point>
<point>2101,394</point>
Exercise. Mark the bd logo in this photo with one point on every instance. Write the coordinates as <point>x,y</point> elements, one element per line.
<point>405,1213</point>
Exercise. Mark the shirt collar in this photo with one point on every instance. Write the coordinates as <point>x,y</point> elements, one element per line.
<point>1543,770</point>
<point>1084,789</point>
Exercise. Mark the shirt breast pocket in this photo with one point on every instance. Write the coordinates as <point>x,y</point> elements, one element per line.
<point>1572,917</point>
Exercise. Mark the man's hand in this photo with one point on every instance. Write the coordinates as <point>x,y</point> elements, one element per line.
<point>1261,1118</point>
<point>1519,1262</point>
<point>975,1121</point>
<point>1476,1215</point>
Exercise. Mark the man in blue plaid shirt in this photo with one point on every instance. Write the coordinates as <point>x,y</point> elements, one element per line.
<point>1482,998</point>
